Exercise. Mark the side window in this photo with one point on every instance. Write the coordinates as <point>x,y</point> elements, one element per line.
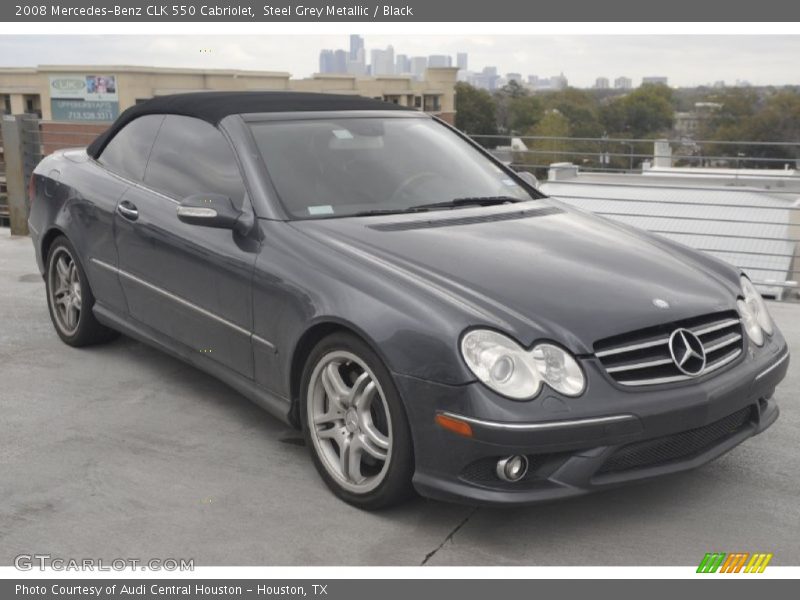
<point>126,154</point>
<point>191,156</point>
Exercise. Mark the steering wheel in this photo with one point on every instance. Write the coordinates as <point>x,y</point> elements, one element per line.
<point>409,183</point>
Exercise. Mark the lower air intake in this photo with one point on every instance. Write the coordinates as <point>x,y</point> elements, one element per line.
<point>676,447</point>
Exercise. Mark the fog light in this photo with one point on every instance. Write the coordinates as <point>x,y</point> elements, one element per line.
<point>512,468</point>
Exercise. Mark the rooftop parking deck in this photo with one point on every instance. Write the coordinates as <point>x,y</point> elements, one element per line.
<point>121,451</point>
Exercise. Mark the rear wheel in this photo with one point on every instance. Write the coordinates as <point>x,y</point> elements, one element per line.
<point>355,424</point>
<point>70,298</point>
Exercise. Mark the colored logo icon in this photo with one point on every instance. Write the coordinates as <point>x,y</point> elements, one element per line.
<point>735,562</point>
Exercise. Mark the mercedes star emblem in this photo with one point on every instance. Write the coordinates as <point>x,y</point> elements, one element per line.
<point>687,352</point>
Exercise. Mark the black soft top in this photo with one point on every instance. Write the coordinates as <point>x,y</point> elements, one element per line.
<point>215,106</point>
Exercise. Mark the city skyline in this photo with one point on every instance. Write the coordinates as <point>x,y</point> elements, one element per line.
<point>382,61</point>
<point>685,60</point>
<point>385,62</point>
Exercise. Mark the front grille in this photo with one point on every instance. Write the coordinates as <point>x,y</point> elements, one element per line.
<point>676,447</point>
<point>643,357</point>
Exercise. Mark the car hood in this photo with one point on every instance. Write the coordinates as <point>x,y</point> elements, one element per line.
<point>535,270</point>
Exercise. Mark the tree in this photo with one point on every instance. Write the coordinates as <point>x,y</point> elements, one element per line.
<point>744,117</point>
<point>552,125</point>
<point>579,108</point>
<point>510,101</point>
<point>730,122</point>
<point>513,89</point>
<point>645,112</point>
<point>475,111</point>
<point>777,121</point>
<point>524,112</point>
<point>570,112</point>
<point>736,104</point>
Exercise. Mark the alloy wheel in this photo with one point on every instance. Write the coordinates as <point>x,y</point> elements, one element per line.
<point>65,291</point>
<point>349,421</point>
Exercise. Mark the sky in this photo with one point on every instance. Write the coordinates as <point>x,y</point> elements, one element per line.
<point>687,60</point>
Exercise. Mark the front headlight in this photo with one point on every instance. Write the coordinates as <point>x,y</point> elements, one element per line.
<point>507,368</point>
<point>559,369</point>
<point>751,326</point>
<point>757,305</point>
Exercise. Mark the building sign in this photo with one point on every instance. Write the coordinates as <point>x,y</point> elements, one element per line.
<point>84,97</point>
<point>84,87</point>
<point>83,110</point>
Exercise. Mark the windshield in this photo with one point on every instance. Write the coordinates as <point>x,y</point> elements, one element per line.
<point>324,168</point>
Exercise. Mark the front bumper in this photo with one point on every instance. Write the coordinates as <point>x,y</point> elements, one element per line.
<point>605,438</point>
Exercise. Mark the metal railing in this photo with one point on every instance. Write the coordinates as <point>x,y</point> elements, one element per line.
<point>621,155</point>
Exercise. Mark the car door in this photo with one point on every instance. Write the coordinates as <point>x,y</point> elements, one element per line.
<point>101,186</point>
<point>188,282</point>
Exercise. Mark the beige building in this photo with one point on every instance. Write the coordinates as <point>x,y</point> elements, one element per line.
<point>97,93</point>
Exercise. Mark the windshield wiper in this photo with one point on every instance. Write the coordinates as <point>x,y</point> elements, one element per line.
<point>469,201</point>
<point>387,211</point>
<point>457,202</point>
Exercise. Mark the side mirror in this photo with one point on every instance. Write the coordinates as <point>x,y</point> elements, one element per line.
<point>529,178</point>
<point>209,210</point>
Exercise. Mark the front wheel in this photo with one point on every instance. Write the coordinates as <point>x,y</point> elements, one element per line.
<point>355,424</point>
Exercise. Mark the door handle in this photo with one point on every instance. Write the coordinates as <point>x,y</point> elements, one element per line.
<point>128,210</point>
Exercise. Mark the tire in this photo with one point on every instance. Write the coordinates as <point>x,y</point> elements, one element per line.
<point>371,416</point>
<point>70,299</point>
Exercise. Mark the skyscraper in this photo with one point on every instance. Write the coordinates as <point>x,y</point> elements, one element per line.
<point>462,61</point>
<point>382,61</point>
<point>356,45</point>
<point>333,61</point>
<point>340,61</point>
<point>623,83</point>
<point>486,79</point>
<point>326,61</point>
<point>356,58</point>
<point>402,65</point>
<point>440,60</point>
<point>601,83</point>
<point>357,65</point>
<point>558,82</point>
<point>418,66</point>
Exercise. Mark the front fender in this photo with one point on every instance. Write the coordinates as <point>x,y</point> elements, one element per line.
<point>299,284</point>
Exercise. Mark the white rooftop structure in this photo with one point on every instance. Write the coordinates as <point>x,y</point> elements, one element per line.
<point>762,178</point>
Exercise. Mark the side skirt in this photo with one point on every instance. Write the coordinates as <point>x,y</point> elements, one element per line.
<point>277,406</point>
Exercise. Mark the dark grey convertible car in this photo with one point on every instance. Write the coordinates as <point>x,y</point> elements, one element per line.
<point>368,274</point>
